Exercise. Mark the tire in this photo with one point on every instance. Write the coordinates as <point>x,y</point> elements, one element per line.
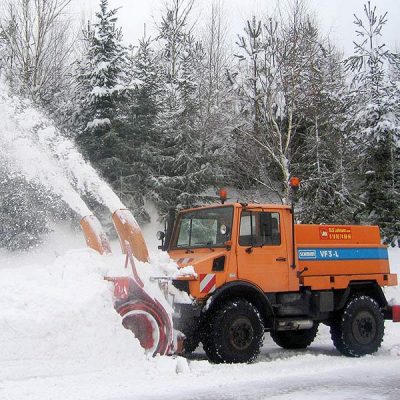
<point>234,333</point>
<point>191,343</point>
<point>360,328</point>
<point>300,339</point>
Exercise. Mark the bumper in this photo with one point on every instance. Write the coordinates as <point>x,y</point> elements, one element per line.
<point>396,313</point>
<point>393,313</point>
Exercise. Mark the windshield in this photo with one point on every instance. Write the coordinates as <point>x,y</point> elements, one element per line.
<point>209,227</point>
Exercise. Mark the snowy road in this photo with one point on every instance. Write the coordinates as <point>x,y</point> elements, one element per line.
<point>316,373</point>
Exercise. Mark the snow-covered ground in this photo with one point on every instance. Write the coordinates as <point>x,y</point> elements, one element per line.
<point>61,339</point>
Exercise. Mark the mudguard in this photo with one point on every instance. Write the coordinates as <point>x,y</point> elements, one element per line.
<point>242,289</point>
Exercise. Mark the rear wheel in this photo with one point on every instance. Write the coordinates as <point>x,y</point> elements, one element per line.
<point>295,339</point>
<point>360,328</point>
<point>234,333</point>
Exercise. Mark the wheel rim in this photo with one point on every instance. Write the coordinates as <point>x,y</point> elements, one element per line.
<point>241,333</point>
<point>364,327</point>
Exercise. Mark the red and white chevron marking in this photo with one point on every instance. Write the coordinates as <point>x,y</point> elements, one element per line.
<point>186,260</point>
<point>208,283</point>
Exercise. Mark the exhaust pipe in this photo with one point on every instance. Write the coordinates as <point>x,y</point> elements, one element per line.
<point>293,325</point>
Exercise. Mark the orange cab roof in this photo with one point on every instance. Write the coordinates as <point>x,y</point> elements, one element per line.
<point>239,205</point>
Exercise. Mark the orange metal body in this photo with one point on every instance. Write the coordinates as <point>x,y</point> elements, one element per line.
<point>271,268</point>
<point>129,231</point>
<point>337,273</point>
<point>95,237</point>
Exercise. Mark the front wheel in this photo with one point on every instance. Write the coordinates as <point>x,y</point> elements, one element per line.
<point>191,343</point>
<point>235,333</point>
<point>360,328</point>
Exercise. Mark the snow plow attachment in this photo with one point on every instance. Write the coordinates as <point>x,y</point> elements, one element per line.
<point>141,313</point>
<point>129,231</point>
<point>94,234</point>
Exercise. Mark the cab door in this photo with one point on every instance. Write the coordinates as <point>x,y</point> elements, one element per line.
<point>262,256</point>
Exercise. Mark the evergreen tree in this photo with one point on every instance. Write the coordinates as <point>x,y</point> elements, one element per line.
<point>323,160</point>
<point>181,172</point>
<point>22,222</point>
<point>138,125</point>
<point>374,124</point>
<point>217,103</point>
<point>26,210</point>
<point>101,91</point>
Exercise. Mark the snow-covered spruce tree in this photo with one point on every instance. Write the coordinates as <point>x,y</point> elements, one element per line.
<point>395,169</point>
<point>24,211</point>
<point>250,159</point>
<point>138,125</point>
<point>217,103</point>
<point>374,123</point>
<point>27,210</point>
<point>323,160</point>
<point>181,171</point>
<point>101,91</point>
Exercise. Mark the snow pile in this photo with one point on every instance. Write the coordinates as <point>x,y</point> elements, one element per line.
<point>63,310</point>
<point>62,314</point>
<point>57,321</point>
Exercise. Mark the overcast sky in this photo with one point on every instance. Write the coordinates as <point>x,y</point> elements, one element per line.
<point>335,16</point>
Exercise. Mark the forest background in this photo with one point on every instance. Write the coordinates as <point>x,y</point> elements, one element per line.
<point>185,111</point>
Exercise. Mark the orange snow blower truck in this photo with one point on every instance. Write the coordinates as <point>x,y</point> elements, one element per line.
<point>257,271</point>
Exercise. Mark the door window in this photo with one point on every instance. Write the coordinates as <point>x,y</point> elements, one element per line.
<point>259,229</point>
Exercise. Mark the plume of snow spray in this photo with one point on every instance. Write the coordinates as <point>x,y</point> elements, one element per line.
<point>30,145</point>
<point>77,169</point>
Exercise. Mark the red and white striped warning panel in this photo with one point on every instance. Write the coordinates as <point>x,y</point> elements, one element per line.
<point>186,260</point>
<point>208,283</point>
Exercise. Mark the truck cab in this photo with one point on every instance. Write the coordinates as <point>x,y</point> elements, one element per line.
<point>234,242</point>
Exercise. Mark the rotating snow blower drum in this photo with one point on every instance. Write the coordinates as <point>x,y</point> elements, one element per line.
<point>141,313</point>
<point>149,323</point>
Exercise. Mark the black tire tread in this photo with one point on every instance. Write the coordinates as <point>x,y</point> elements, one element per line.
<point>341,336</point>
<point>190,344</point>
<point>214,346</point>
